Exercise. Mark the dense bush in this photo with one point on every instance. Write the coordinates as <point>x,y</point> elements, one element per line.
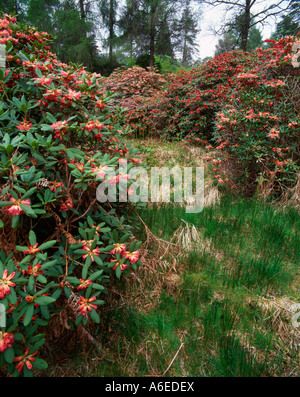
<point>143,61</point>
<point>134,81</point>
<point>186,107</point>
<point>246,105</point>
<point>257,131</point>
<point>59,245</point>
<point>135,90</point>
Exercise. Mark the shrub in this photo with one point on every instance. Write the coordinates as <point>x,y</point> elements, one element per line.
<point>59,245</point>
<point>135,89</point>
<point>257,131</point>
<point>186,106</point>
<point>134,81</point>
<point>143,61</point>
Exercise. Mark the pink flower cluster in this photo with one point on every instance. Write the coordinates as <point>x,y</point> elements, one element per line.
<point>6,340</point>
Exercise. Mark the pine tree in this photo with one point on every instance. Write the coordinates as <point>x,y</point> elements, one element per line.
<point>232,39</point>
<point>186,30</point>
<point>40,13</point>
<point>147,26</point>
<point>244,9</point>
<point>227,43</point>
<point>108,11</point>
<point>290,23</point>
<point>16,7</point>
<point>131,27</point>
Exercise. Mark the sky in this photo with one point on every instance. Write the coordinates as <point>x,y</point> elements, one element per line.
<point>212,17</point>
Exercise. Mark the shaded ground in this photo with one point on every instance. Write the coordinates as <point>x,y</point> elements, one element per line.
<point>215,297</point>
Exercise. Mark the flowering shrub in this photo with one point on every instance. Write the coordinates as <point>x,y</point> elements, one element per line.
<point>135,81</point>
<point>257,131</point>
<point>58,245</point>
<point>245,105</point>
<point>186,106</point>
<point>135,90</point>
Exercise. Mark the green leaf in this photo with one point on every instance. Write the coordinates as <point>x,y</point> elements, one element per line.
<point>9,355</point>
<point>51,118</point>
<point>15,221</point>
<point>45,312</point>
<point>28,210</point>
<point>32,237</point>
<point>31,282</point>
<point>42,279</point>
<point>56,294</point>
<point>38,72</point>
<point>39,363</point>
<point>5,203</point>
<point>98,287</point>
<point>12,296</point>
<point>118,271</point>
<point>44,300</point>
<point>73,280</point>
<point>29,193</point>
<point>96,275</point>
<point>98,260</point>
<point>95,316</point>
<point>47,245</point>
<point>28,314</point>
<point>85,270</point>
<point>27,372</point>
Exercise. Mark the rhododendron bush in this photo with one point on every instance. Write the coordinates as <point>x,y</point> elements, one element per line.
<point>135,89</point>
<point>245,105</point>
<point>58,245</point>
<point>257,131</point>
<point>186,105</point>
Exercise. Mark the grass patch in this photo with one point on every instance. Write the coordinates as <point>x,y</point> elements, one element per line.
<point>220,304</point>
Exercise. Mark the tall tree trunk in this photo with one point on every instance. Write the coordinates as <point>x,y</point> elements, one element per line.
<point>246,25</point>
<point>184,52</point>
<point>152,50</point>
<point>152,35</point>
<point>82,11</point>
<point>111,29</point>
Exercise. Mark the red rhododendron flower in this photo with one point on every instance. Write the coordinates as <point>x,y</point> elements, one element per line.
<point>118,248</point>
<point>123,266</point>
<point>5,283</point>
<point>90,252</point>
<point>16,209</point>
<point>114,180</point>
<point>86,305</point>
<point>84,283</point>
<point>100,171</point>
<point>55,185</point>
<point>26,359</point>
<point>24,126</point>
<point>30,298</point>
<point>6,340</point>
<point>34,270</point>
<point>73,94</point>
<point>32,249</point>
<point>132,256</point>
<point>68,204</point>
<point>100,105</point>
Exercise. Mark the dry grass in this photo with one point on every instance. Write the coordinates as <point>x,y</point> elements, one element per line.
<point>168,276</point>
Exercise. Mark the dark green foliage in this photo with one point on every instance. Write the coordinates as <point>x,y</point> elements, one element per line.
<point>144,62</point>
<point>288,26</point>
